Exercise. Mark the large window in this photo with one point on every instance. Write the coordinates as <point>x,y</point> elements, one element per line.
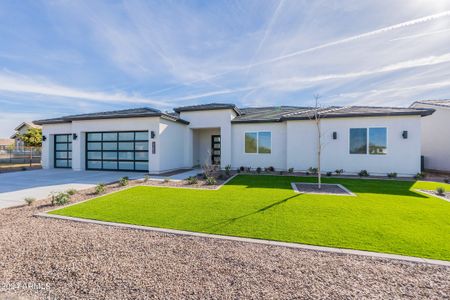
<point>258,142</point>
<point>126,151</point>
<point>368,141</point>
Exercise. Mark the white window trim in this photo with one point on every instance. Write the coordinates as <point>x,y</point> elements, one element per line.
<point>257,142</point>
<point>367,140</point>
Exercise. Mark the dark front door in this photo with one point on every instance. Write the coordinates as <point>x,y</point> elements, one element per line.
<point>215,149</point>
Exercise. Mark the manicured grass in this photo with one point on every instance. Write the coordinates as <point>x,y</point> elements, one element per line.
<point>385,216</point>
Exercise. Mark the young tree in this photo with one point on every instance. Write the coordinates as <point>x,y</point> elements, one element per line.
<point>32,138</point>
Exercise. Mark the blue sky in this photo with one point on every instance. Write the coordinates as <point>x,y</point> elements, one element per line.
<point>65,57</point>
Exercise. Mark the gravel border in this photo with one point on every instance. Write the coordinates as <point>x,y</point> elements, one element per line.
<point>330,189</point>
<point>434,194</point>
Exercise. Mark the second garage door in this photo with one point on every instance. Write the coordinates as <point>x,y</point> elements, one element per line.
<point>117,150</point>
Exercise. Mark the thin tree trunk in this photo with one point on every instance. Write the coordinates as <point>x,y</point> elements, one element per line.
<point>318,155</point>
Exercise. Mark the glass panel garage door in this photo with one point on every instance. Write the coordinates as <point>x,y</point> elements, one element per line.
<point>63,151</point>
<point>124,150</point>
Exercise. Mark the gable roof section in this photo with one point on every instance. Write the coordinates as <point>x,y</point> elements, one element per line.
<point>116,114</point>
<point>208,106</point>
<point>439,103</point>
<point>280,114</point>
<point>32,125</point>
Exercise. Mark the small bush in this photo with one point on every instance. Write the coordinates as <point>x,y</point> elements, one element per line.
<point>258,170</point>
<point>363,173</point>
<point>440,191</point>
<point>29,200</point>
<point>238,171</point>
<point>192,180</point>
<point>392,175</point>
<point>291,170</point>
<point>71,192</point>
<point>419,176</point>
<point>339,171</point>
<point>227,170</point>
<point>248,169</point>
<point>23,168</point>
<point>60,198</point>
<point>281,172</point>
<point>271,169</point>
<point>166,180</point>
<point>312,170</point>
<point>123,181</point>
<point>100,188</point>
<point>146,178</point>
<point>329,173</point>
<point>210,180</point>
<point>307,173</point>
<point>242,168</point>
<point>446,180</point>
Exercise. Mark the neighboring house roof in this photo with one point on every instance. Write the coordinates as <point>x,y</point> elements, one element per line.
<point>285,113</point>
<point>208,106</point>
<point>6,142</point>
<point>125,113</point>
<point>441,103</point>
<point>29,124</point>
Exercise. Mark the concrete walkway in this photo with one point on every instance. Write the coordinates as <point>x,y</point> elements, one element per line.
<point>16,186</point>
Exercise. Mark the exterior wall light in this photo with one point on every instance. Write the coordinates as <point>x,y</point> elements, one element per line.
<point>152,134</point>
<point>44,138</point>
<point>74,136</point>
<point>334,135</point>
<point>405,134</point>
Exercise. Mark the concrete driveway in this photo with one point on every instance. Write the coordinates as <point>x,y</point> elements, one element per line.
<point>15,186</point>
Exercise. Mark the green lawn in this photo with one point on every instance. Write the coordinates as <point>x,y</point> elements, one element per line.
<point>385,216</point>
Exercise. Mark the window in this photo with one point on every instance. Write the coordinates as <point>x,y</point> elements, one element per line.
<point>377,141</point>
<point>373,142</point>
<point>258,142</point>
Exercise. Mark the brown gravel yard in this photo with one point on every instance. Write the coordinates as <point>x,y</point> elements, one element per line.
<point>64,259</point>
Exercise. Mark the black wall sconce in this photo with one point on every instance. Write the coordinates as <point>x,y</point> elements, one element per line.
<point>405,134</point>
<point>44,138</point>
<point>334,135</point>
<point>74,136</point>
<point>153,148</point>
<point>152,134</point>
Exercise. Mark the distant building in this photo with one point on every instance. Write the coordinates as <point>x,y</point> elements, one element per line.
<point>4,143</point>
<point>22,129</point>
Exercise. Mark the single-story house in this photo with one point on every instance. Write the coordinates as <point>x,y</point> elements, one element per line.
<point>22,129</point>
<point>376,139</point>
<point>436,135</point>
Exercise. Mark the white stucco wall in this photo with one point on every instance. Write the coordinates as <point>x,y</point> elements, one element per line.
<point>49,130</point>
<point>172,145</point>
<point>202,145</point>
<point>277,157</point>
<point>403,155</point>
<point>220,118</point>
<point>436,138</point>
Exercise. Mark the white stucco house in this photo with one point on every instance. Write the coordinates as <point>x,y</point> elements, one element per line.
<point>436,135</point>
<point>376,139</point>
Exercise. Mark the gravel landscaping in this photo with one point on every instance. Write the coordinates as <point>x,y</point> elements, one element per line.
<point>62,259</point>
<point>313,188</point>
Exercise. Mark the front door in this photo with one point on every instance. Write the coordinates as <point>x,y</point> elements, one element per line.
<point>215,149</point>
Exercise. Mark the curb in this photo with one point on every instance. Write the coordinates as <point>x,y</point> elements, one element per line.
<point>404,258</point>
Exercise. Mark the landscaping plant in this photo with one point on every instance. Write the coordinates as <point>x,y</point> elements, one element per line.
<point>60,198</point>
<point>363,173</point>
<point>71,192</point>
<point>291,170</point>
<point>339,171</point>
<point>192,180</point>
<point>100,188</point>
<point>146,178</point>
<point>258,170</point>
<point>440,191</point>
<point>419,176</point>
<point>392,175</point>
<point>313,171</point>
<point>446,180</point>
<point>123,181</point>
<point>29,200</point>
<point>228,170</point>
<point>210,180</point>
<point>329,174</point>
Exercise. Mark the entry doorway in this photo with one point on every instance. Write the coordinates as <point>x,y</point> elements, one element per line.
<point>215,149</point>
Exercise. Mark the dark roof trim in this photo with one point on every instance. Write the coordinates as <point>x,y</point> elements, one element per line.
<point>424,113</point>
<point>211,106</point>
<point>97,117</point>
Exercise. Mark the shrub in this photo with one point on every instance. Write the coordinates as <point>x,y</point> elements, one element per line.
<point>242,168</point>
<point>210,180</point>
<point>248,169</point>
<point>72,192</point>
<point>29,200</point>
<point>146,178</point>
<point>23,168</point>
<point>192,180</point>
<point>312,170</point>
<point>291,170</point>
<point>440,191</point>
<point>392,175</point>
<point>123,181</point>
<point>281,172</point>
<point>271,169</point>
<point>60,198</point>
<point>166,180</point>
<point>258,170</point>
<point>420,175</point>
<point>363,173</point>
<point>100,188</point>
<point>238,170</point>
<point>339,171</point>
<point>329,173</point>
<point>227,170</point>
<point>446,180</point>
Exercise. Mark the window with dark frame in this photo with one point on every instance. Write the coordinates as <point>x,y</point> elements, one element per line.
<point>117,150</point>
<point>371,141</point>
<point>63,151</point>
